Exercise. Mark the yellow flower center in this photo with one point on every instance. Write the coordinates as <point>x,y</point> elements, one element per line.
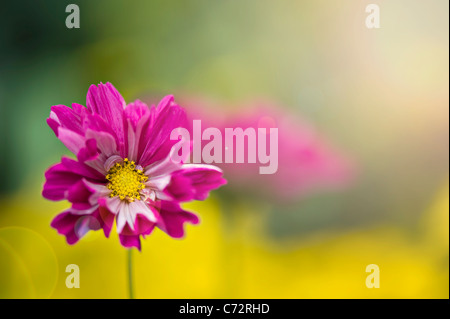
<point>126,181</point>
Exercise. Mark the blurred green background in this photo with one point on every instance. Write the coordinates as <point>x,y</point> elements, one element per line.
<point>381,95</point>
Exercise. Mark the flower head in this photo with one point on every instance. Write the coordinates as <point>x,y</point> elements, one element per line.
<point>124,169</point>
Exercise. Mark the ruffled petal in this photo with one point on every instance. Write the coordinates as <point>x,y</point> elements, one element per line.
<point>105,142</point>
<point>68,118</point>
<point>106,216</point>
<point>133,219</point>
<point>75,226</point>
<point>72,140</point>
<point>131,237</point>
<point>96,123</point>
<point>127,213</point>
<point>82,169</point>
<point>87,151</point>
<point>173,218</point>
<point>163,167</point>
<point>78,194</point>
<point>135,111</point>
<point>60,177</point>
<point>194,181</point>
<point>107,102</point>
<point>137,119</point>
<point>164,118</point>
<point>130,241</point>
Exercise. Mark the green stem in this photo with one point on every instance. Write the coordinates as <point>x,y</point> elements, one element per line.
<point>130,274</point>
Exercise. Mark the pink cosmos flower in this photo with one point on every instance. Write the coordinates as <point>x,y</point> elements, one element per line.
<point>124,170</point>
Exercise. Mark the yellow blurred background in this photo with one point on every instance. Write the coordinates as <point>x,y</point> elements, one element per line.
<point>380,95</point>
<point>212,262</point>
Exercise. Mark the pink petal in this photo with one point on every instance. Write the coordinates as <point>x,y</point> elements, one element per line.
<point>107,102</point>
<point>72,140</point>
<point>166,117</point>
<point>173,218</point>
<point>137,119</point>
<point>106,216</point>
<point>194,181</point>
<point>82,169</point>
<point>78,194</point>
<point>68,118</point>
<point>129,241</point>
<point>60,177</point>
<point>105,142</point>
<point>131,237</point>
<point>75,226</point>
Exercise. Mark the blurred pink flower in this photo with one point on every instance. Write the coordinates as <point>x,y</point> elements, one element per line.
<point>307,162</point>
<point>124,170</point>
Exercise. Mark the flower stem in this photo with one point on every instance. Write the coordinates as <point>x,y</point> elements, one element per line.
<point>130,274</point>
